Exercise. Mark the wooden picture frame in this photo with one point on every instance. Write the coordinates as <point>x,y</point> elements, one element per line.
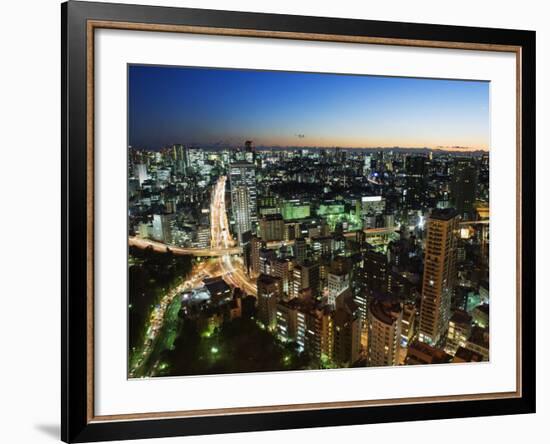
<point>79,22</point>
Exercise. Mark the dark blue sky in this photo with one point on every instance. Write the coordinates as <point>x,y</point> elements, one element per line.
<point>206,106</point>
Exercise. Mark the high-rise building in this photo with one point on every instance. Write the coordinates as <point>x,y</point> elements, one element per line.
<point>338,280</point>
<point>439,276</point>
<point>140,172</point>
<point>282,268</point>
<point>375,269</point>
<point>256,245</point>
<point>242,179</point>
<point>162,227</point>
<point>463,186</point>
<point>305,276</point>
<point>384,320</point>
<point>416,180</point>
<point>346,334</point>
<point>272,227</point>
<point>269,294</point>
<point>288,326</point>
<point>249,151</point>
<point>300,250</point>
<point>181,158</point>
<point>266,257</point>
<point>367,164</point>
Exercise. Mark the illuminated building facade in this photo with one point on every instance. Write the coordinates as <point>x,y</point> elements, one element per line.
<point>439,276</point>
<point>242,179</point>
<point>384,324</point>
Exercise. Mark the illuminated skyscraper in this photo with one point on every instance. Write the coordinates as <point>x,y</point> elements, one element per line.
<point>375,269</point>
<point>256,244</point>
<point>181,159</point>
<point>300,250</point>
<point>338,280</point>
<point>272,227</point>
<point>162,227</point>
<point>384,333</point>
<point>346,334</point>
<point>140,172</point>
<point>463,186</point>
<point>282,268</point>
<point>250,151</point>
<point>439,276</point>
<point>305,276</point>
<point>242,178</point>
<point>269,294</point>
<point>416,181</point>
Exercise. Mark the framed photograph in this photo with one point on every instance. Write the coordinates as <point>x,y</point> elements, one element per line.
<point>275,221</point>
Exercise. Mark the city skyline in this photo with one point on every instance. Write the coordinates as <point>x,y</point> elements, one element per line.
<point>248,258</point>
<point>214,107</point>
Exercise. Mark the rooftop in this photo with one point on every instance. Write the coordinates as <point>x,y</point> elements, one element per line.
<point>422,353</point>
<point>467,355</point>
<point>461,317</point>
<point>385,311</point>
<point>443,214</point>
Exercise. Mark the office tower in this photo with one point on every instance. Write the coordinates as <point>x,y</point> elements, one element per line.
<point>291,322</point>
<point>282,268</point>
<point>416,180</point>
<point>338,280</point>
<point>296,285</point>
<point>384,320</point>
<point>140,172</point>
<point>439,276</point>
<point>346,334</point>
<point>195,158</point>
<point>242,179</point>
<point>266,257</point>
<point>371,205</point>
<point>375,270</point>
<point>162,227</point>
<point>367,164</point>
<point>250,151</point>
<point>255,245</point>
<point>272,227</point>
<point>463,186</point>
<point>321,246</point>
<point>181,159</point>
<point>305,276</point>
<point>300,250</point>
<point>269,294</point>
<point>460,328</point>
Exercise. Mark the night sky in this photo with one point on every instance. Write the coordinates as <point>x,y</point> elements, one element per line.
<point>205,106</point>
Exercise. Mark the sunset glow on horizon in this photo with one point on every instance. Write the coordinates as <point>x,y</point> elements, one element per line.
<point>207,106</point>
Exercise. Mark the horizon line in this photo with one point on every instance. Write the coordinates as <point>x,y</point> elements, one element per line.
<point>221,146</point>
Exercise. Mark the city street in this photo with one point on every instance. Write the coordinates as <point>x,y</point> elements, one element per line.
<point>223,263</point>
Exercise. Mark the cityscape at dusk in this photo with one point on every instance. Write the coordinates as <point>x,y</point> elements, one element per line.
<point>285,221</point>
